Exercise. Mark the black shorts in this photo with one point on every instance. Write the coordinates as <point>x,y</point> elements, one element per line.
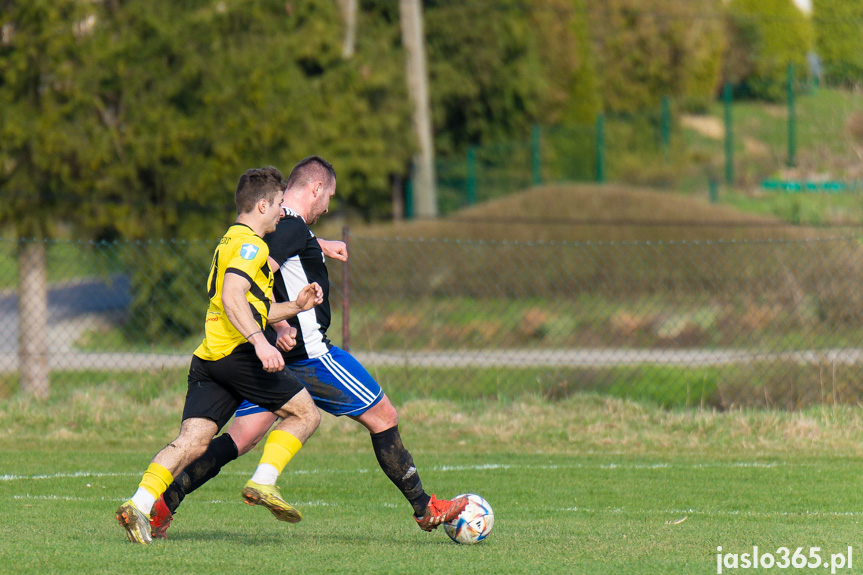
<point>216,388</point>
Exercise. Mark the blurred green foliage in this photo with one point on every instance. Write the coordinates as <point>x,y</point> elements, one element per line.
<point>647,49</point>
<point>51,142</point>
<point>764,37</point>
<point>133,119</point>
<point>838,28</point>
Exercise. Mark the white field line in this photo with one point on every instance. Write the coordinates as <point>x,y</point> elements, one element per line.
<point>488,467</point>
<point>617,511</point>
<point>713,512</point>
<point>28,497</point>
<point>65,475</point>
<point>445,468</point>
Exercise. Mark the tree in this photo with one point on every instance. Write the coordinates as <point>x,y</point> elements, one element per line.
<point>571,93</point>
<point>51,147</point>
<point>486,81</point>
<point>649,49</point>
<point>197,93</point>
<point>133,119</point>
<point>764,37</point>
<point>838,26</point>
<point>413,40</point>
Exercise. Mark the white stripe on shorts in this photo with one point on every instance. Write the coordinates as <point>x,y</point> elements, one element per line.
<point>346,379</point>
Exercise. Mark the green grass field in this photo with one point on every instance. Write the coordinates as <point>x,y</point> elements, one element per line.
<point>587,484</point>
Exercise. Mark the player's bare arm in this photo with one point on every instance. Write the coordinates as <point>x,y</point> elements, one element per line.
<point>334,249</point>
<point>309,297</point>
<point>236,307</point>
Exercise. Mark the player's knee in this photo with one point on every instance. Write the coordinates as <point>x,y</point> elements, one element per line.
<point>313,417</point>
<point>308,411</point>
<point>387,414</point>
<point>197,450</point>
<point>195,436</point>
<point>246,443</point>
<point>191,446</point>
<point>302,407</point>
<point>247,431</point>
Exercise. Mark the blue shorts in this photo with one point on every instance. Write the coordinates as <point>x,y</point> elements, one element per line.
<point>337,382</point>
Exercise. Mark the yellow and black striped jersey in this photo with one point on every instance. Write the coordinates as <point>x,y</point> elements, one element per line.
<point>241,251</point>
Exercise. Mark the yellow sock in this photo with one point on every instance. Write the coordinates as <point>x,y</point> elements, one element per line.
<point>281,446</point>
<point>156,480</point>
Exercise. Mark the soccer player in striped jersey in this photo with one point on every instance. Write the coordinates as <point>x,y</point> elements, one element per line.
<point>337,382</point>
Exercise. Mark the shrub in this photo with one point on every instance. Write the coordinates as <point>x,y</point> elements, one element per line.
<point>764,37</point>
<point>839,39</point>
<point>650,49</point>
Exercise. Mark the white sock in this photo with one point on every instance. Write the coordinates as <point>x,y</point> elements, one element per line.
<point>265,474</point>
<point>143,500</point>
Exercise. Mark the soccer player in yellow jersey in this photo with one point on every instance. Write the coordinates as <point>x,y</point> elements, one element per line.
<point>337,382</point>
<point>235,362</point>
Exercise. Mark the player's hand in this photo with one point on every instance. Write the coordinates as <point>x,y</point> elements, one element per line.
<point>310,296</point>
<point>334,249</point>
<point>270,357</point>
<point>287,338</point>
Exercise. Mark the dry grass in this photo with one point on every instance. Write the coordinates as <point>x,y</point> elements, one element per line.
<point>590,423</point>
<point>104,419</point>
<point>587,212</point>
<point>854,126</point>
<point>708,126</point>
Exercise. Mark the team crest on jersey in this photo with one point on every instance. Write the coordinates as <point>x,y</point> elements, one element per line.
<point>248,251</point>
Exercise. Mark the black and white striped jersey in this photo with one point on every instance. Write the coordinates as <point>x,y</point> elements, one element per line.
<point>301,262</point>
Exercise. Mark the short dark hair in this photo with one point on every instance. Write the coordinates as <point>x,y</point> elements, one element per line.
<point>257,184</point>
<point>309,169</point>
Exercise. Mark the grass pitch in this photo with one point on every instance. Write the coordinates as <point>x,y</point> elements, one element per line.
<point>582,485</point>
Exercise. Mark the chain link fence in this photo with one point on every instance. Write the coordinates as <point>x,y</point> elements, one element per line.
<point>716,324</point>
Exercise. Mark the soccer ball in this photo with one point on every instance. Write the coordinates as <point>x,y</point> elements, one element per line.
<point>473,524</point>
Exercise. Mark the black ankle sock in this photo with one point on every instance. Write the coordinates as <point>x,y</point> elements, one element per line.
<point>221,451</point>
<point>176,491</point>
<point>398,465</point>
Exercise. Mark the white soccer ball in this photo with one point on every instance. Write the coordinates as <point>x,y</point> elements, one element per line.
<point>473,524</point>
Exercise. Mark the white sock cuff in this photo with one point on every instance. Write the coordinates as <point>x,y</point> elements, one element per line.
<point>143,500</point>
<point>265,474</point>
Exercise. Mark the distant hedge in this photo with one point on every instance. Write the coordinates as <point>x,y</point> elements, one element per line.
<point>647,49</point>
<point>838,28</point>
<point>764,37</point>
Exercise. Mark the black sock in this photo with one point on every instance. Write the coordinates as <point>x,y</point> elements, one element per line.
<point>221,451</point>
<point>397,463</point>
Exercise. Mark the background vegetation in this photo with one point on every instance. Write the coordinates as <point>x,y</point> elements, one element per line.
<point>130,121</point>
<point>132,112</point>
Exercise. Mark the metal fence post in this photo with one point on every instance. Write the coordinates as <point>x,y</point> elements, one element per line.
<point>600,148</point>
<point>665,126</point>
<point>729,137</point>
<point>409,198</point>
<point>346,295</point>
<point>535,155</point>
<point>470,182</point>
<point>792,129</point>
